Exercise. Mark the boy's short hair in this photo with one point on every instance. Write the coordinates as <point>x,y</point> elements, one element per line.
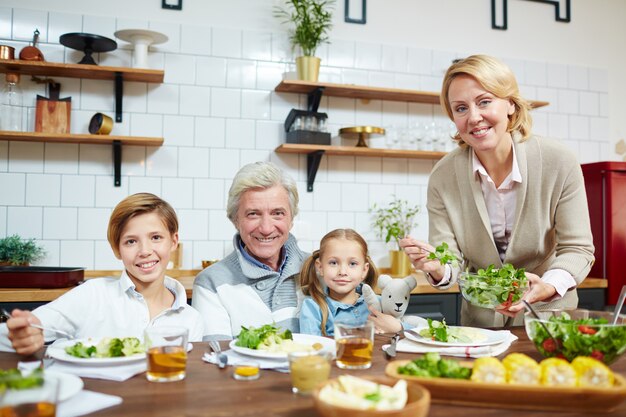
<point>135,205</point>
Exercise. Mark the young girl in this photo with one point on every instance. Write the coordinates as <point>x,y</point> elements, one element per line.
<point>143,232</point>
<point>331,279</point>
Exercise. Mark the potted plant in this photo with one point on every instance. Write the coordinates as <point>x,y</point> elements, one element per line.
<point>311,21</point>
<point>17,251</point>
<point>395,221</point>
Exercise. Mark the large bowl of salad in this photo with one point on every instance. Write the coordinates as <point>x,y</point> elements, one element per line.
<point>493,287</point>
<point>578,332</point>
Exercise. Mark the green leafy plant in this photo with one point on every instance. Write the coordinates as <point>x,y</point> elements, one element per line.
<point>396,220</point>
<point>17,251</point>
<point>311,20</point>
<point>443,254</point>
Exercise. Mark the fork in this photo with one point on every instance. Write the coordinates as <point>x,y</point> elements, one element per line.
<point>40,327</point>
<point>390,352</point>
<point>222,358</point>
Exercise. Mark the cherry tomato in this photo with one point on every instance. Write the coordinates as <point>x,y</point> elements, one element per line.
<point>596,354</point>
<point>587,330</point>
<point>549,345</point>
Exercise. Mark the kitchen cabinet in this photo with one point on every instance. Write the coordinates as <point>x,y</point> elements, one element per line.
<point>93,72</point>
<point>315,152</point>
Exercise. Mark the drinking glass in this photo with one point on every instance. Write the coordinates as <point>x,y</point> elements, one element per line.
<point>31,402</point>
<point>166,348</point>
<point>308,370</point>
<point>354,345</point>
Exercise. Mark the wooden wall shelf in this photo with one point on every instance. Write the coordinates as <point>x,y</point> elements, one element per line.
<point>73,138</point>
<point>92,72</point>
<point>314,155</point>
<point>367,93</point>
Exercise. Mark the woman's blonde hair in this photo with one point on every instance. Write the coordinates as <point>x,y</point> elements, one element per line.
<point>498,79</point>
<point>134,205</point>
<point>260,175</point>
<point>313,286</point>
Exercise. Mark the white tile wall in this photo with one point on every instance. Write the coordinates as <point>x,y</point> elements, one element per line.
<point>217,110</point>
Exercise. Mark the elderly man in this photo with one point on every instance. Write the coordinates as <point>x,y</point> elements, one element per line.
<point>257,283</point>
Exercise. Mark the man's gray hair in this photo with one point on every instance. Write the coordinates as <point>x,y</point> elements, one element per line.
<point>260,175</point>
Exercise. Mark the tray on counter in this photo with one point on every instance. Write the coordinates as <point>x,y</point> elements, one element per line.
<point>40,276</point>
<point>512,396</point>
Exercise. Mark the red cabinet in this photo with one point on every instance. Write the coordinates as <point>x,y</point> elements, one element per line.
<point>606,195</point>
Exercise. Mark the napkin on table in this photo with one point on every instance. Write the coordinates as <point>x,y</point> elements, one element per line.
<point>280,365</point>
<point>410,346</point>
<point>118,373</point>
<point>86,402</point>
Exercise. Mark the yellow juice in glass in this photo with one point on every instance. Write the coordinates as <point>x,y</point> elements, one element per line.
<point>308,370</point>
<point>40,409</point>
<point>166,363</point>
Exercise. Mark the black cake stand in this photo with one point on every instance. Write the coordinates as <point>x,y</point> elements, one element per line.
<point>88,43</point>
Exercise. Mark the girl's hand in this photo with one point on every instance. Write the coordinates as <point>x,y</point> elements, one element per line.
<point>418,252</point>
<point>384,323</point>
<point>538,291</point>
<point>26,340</point>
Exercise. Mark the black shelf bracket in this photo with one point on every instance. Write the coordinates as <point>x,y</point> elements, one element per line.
<point>117,163</point>
<point>119,93</point>
<point>313,160</point>
<point>314,98</point>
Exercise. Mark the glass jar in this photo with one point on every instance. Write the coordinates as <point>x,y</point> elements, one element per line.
<point>11,105</point>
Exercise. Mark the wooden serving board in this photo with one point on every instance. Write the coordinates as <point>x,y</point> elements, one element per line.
<point>522,397</point>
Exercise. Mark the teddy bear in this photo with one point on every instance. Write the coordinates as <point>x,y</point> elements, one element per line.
<point>394,298</point>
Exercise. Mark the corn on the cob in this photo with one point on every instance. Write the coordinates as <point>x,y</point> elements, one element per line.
<point>592,373</point>
<point>521,369</point>
<point>557,372</point>
<point>489,370</point>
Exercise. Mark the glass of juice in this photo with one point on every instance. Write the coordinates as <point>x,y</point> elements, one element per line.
<point>166,348</point>
<point>36,401</point>
<point>308,370</point>
<point>354,345</point>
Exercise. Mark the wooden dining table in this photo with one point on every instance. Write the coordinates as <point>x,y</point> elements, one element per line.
<point>210,391</point>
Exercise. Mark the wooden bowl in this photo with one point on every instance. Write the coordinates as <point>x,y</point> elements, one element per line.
<point>417,405</point>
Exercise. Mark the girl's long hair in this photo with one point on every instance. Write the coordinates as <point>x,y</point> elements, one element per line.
<point>313,286</point>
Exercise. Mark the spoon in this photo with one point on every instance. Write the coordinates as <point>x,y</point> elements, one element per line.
<point>619,305</point>
<point>535,315</point>
<point>40,327</point>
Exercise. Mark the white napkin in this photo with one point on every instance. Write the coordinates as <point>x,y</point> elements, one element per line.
<point>112,373</point>
<point>410,346</point>
<point>280,365</point>
<point>86,402</point>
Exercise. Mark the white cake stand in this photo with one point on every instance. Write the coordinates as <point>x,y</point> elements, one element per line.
<point>141,40</point>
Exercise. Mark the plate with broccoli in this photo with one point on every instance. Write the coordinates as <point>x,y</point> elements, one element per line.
<point>99,351</point>
<point>271,342</point>
<point>20,384</point>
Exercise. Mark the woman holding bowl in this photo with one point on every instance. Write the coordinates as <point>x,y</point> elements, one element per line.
<point>504,196</point>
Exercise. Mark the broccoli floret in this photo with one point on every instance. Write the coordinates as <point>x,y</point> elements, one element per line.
<point>80,350</point>
<point>14,379</point>
<point>131,346</point>
<point>452,369</point>
<point>115,348</point>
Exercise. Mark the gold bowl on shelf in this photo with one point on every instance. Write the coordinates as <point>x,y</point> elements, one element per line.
<point>363,133</point>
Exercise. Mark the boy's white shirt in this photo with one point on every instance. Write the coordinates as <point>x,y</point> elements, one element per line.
<point>111,307</point>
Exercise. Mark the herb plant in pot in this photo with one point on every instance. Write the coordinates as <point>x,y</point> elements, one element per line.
<point>311,20</point>
<point>16,251</point>
<point>395,221</point>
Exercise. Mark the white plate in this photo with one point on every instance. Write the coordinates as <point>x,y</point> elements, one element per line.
<point>57,351</point>
<point>328,345</point>
<point>486,337</point>
<point>69,385</point>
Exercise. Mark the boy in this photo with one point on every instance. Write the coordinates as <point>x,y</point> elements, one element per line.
<point>143,232</point>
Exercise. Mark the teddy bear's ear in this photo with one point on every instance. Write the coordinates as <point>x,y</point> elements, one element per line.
<point>411,282</point>
<point>383,280</point>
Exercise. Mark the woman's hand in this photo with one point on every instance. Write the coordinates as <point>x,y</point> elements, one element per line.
<point>418,252</point>
<point>384,323</point>
<point>26,340</point>
<point>538,291</point>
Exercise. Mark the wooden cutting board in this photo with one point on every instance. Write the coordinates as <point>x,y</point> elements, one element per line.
<point>52,114</point>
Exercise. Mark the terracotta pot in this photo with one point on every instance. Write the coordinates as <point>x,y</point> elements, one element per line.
<point>308,68</point>
<point>400,263</point>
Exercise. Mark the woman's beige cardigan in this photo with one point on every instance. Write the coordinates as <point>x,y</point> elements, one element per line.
<point>551,228</point>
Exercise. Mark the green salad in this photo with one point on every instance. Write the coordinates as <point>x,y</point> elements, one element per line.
<point>432,366</point>
<point>108,347</point>
<point>493,287</point>
<point>443,254</point>
<point>14,379</point>
<point>583,337</point>
<point>263,338</point>
<point>439,331</point>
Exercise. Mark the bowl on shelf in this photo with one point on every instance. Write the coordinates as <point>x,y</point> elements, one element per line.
<point>418,402</point>
<point>577,333</point>
<point>490,293</point>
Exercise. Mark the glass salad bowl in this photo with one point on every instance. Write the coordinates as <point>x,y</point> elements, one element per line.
<point>491,292</point>
<point>577,332</point>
